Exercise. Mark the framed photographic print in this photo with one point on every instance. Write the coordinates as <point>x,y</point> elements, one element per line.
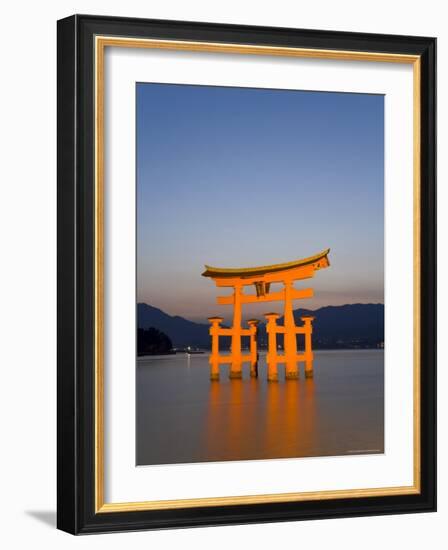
<point>246,274</point>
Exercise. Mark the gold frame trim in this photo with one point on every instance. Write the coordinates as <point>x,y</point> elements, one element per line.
<point>101,42</point>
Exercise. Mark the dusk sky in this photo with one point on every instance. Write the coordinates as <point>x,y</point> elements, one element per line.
<point>241,177</point>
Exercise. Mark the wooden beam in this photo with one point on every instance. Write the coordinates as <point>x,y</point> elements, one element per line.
<point>272,297</point>
<point>294,274</point>
<point>224,359</point>
<point>230,331</point>
<point>301,357</point>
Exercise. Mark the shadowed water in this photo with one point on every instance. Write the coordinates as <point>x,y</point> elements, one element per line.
<point>183,417</point>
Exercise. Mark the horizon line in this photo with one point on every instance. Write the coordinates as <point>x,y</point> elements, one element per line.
<point>308,309</point>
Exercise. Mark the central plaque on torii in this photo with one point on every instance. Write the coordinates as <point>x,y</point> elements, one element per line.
<point>261,278</point>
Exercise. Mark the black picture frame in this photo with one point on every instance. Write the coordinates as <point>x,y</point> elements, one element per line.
<point>76,285</point>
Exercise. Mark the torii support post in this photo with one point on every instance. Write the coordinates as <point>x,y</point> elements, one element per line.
<point>214,357</point>
<point>253,347</point>
<point>308,331</point>
<point>271,329</point>
<point>236,367</point>
<point>290,338</point>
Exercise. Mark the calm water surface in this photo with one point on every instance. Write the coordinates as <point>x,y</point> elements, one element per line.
<point>183,417</point>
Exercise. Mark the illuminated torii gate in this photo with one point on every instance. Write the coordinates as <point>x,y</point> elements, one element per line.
<point>262,278</point>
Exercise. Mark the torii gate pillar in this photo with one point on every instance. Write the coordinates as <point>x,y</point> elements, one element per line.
<point>214,357</point>
<point>236,367</point>
<point>253,347</point>
<point>290,336</point>
<point>271,359</point>
<point>308,326</point>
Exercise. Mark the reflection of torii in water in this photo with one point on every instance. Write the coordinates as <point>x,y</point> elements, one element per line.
<point>261,278</point>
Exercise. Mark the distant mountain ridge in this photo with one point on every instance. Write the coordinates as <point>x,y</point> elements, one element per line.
<point>348,326</point>
<point>182,332</point>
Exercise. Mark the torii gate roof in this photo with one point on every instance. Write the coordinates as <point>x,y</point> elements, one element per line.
<point>245,272</point>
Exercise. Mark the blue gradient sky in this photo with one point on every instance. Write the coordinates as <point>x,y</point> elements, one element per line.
<point>243,177</point>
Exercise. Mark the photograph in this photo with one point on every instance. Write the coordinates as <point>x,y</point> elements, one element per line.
<point>260,273</point>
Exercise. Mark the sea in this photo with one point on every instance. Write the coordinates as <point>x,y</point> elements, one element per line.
<point>183,417</point>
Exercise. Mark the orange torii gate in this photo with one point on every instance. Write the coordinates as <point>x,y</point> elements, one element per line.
<point>262,278</point>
